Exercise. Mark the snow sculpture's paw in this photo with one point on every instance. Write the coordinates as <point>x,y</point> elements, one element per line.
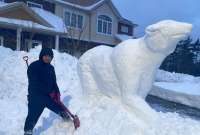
<point>60,127</point>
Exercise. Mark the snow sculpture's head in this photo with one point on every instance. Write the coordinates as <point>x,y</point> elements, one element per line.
<point>164,35</point>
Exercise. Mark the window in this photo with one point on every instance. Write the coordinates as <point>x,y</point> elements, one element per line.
<point>124,29</point>
<point>104,24</point>
<point>80,21</point>
<point>73,20</point>
<point>67,18</point>
<point>1,41</point>
<point>33,4</point>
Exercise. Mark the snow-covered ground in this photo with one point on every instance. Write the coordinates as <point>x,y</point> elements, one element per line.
<point>177,87</point>
<point>94,118</point>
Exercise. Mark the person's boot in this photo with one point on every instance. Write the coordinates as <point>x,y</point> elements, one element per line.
<point>29,132</point>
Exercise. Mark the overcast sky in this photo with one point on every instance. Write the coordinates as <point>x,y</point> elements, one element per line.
<point>145,12</point>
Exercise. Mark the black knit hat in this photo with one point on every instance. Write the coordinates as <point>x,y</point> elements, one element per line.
<point>46,51</point>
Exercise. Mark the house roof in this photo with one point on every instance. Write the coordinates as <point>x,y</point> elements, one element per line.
<point>5,7</point>
<point>88,6</point>
<point>46,21</point>
<point>54,20</point>
<point>85,3</point>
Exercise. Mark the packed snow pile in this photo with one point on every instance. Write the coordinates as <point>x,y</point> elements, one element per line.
<point>100,113</point>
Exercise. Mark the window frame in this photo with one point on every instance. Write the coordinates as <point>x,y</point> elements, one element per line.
<point>125,28</point>
<point>103,21</point>
<point>76,20</point>
<point>34,3</point>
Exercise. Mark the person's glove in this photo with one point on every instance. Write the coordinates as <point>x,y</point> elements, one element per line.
<point>76,121</point>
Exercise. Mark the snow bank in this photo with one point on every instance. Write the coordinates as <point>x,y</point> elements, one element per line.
<point>183,93</point>
<point>177,87</point>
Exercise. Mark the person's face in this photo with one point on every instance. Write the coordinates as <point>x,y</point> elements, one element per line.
<point>47,59</point>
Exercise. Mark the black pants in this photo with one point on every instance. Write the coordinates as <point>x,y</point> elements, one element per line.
<point>36,105</point>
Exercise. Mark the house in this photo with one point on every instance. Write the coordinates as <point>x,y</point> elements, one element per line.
<point>23,26</point>
<point>93,22</point>
<point>66,25</point>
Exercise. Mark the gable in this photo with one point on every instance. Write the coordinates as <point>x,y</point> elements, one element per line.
<point>105,9</point>
<point>115,11</point>
<point>20,11</point>
<point>19,14</point>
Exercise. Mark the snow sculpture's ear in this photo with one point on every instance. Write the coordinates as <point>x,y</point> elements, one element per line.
<point>151,30</point>
<point>155,40</point>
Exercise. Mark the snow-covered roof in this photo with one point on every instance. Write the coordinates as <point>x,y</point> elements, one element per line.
<point>23,23</point>
<point>88,8</point>
<point>123,37</point>
<point>54,20</point>
<point>54,23</point>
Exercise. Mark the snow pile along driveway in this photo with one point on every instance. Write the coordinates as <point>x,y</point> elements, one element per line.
<point>177,87</point>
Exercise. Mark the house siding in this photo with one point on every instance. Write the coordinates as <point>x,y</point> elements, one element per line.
<point>66,46</point>
<point>90,22</point>
<point>74,32</point>
<point>101,38</point>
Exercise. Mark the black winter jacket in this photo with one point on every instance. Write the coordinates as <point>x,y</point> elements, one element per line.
<point>41,77</point>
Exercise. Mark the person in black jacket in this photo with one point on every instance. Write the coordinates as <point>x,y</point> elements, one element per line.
<point>42,83</point>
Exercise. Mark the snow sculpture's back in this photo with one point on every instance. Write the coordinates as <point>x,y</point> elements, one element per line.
<point>126,72</point>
